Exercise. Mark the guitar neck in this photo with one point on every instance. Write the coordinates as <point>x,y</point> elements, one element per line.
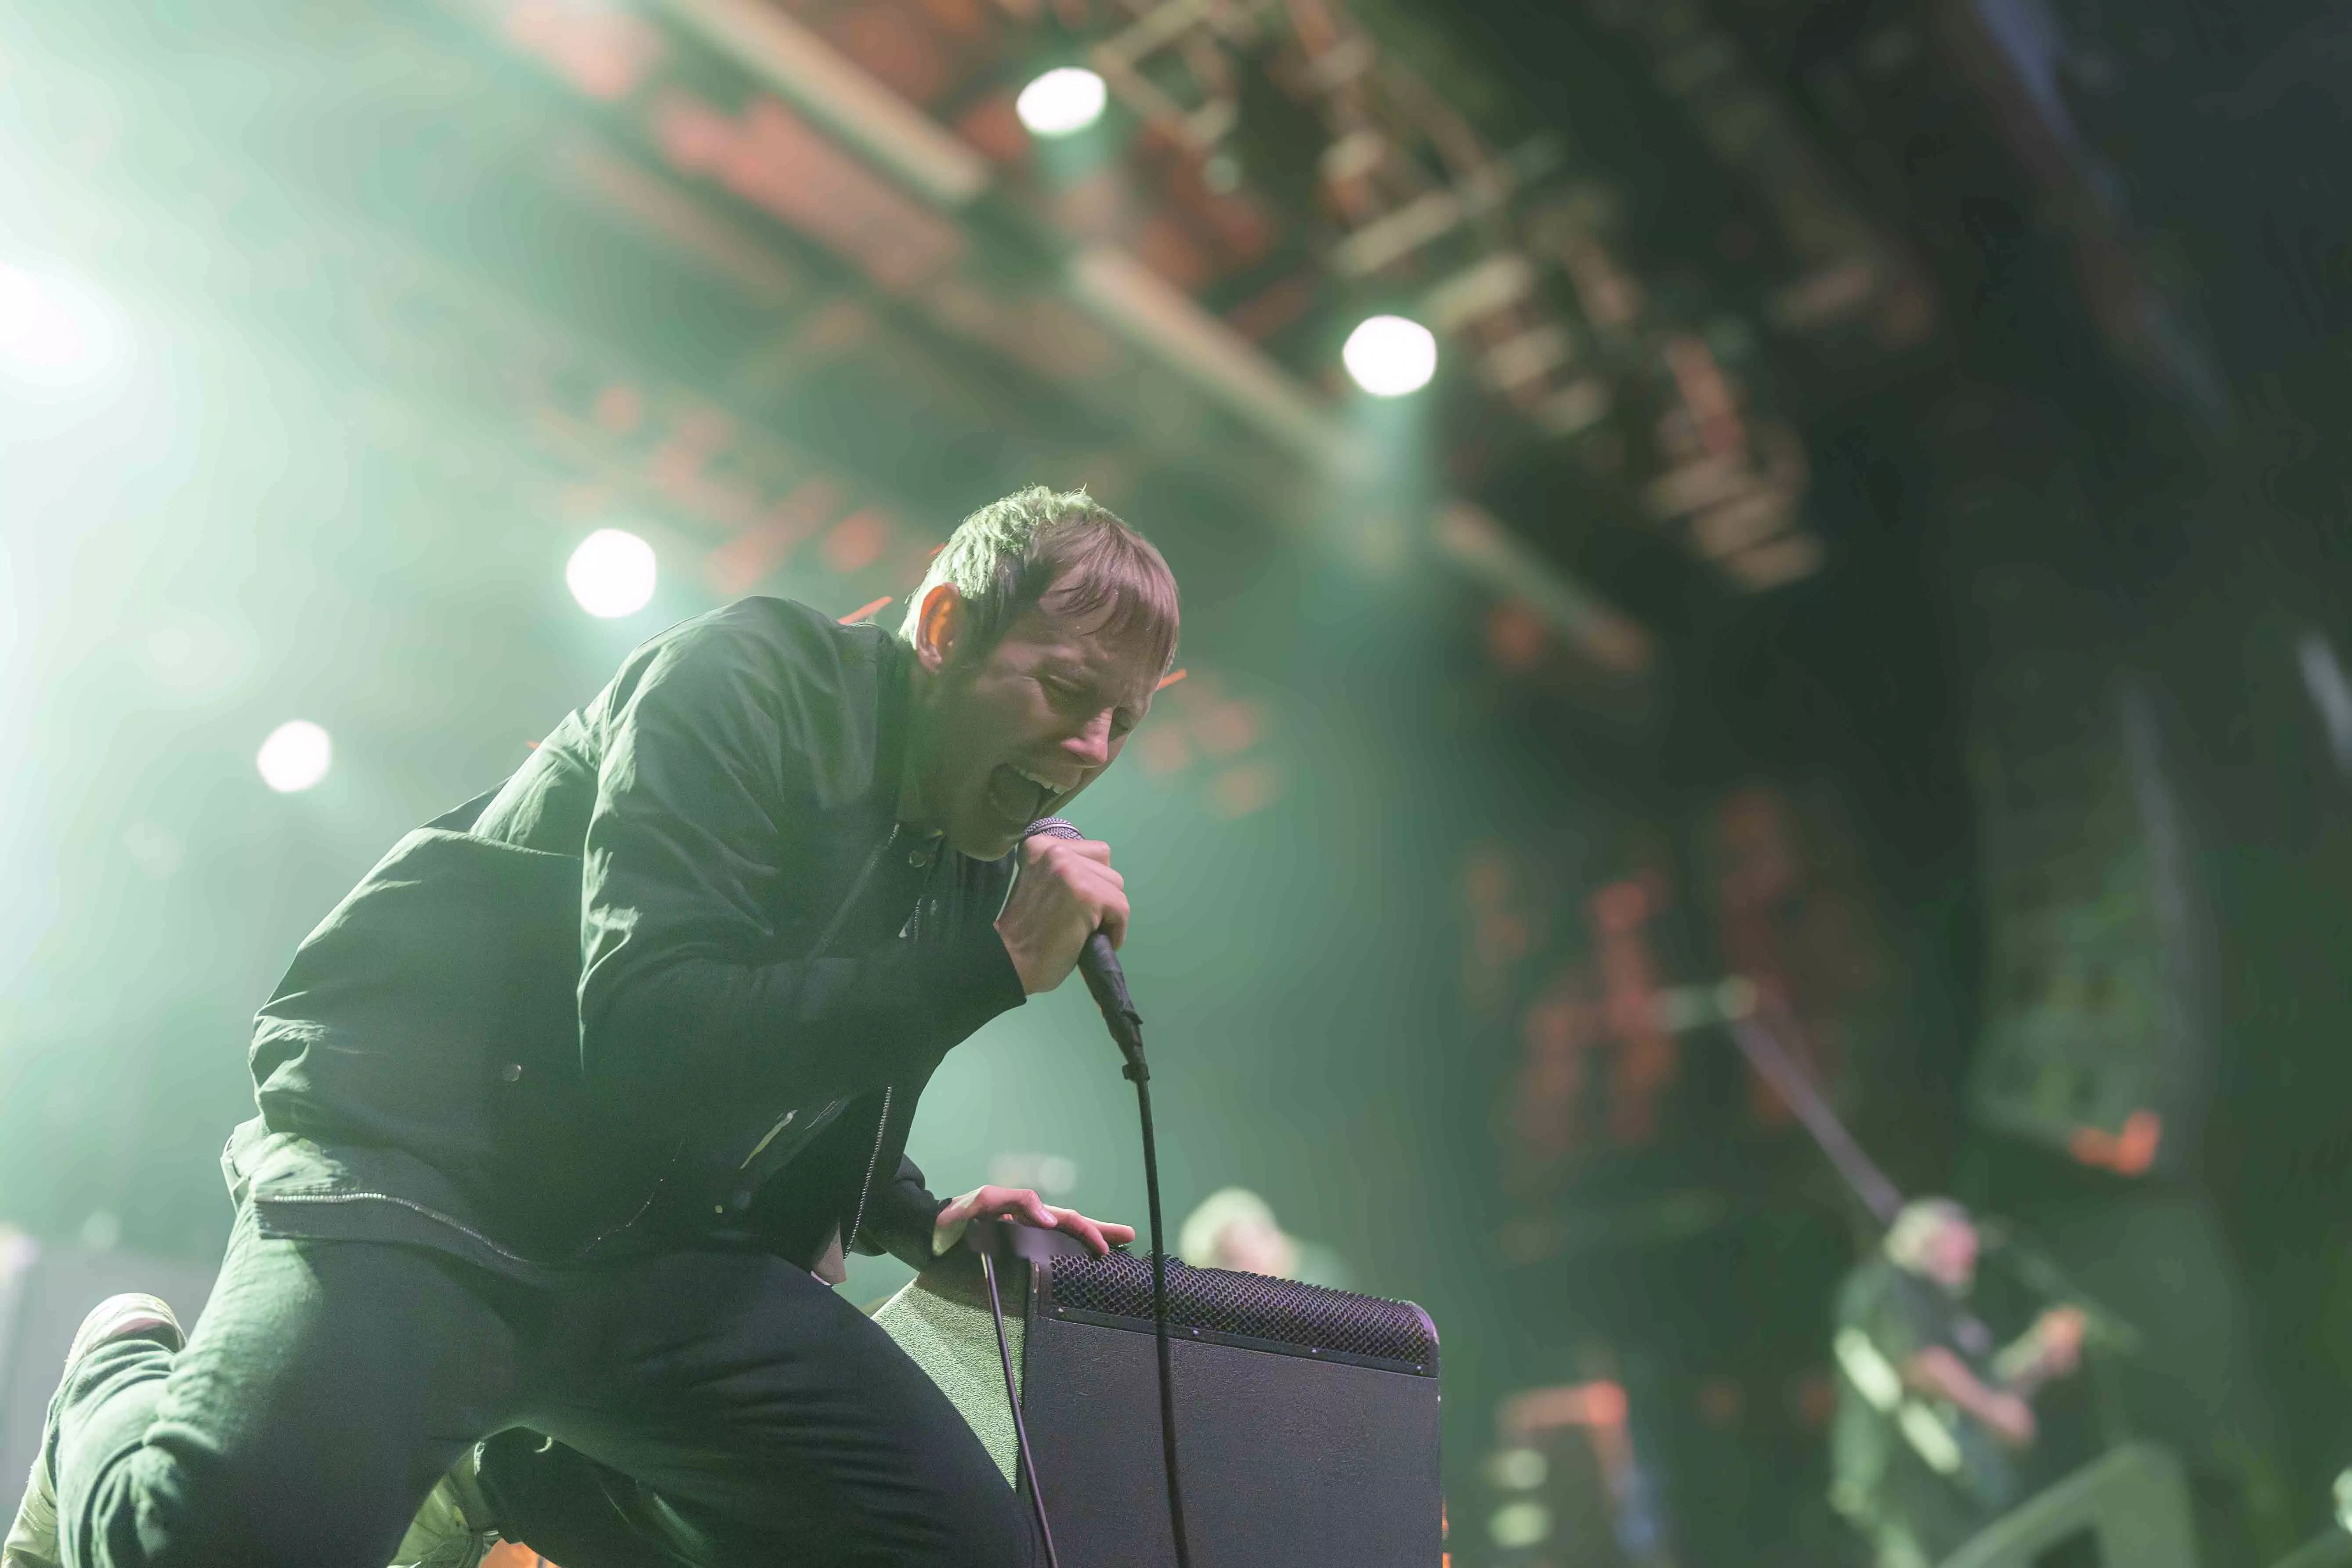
<point>2029,1381</point>
<point>2025,1368</point>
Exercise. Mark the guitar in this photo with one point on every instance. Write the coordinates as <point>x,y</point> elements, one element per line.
<point>1988,1440</point>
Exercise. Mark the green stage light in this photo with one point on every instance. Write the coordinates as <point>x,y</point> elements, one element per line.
<point>1063,101</point>
<point>611,573</point>
<point>1390,356</point>
<point>296,756</point>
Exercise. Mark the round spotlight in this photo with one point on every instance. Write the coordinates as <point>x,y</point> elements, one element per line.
<point>1390,356</point>
<point>296,756</point>
<point>1065,100</point>
<point>611,573</point>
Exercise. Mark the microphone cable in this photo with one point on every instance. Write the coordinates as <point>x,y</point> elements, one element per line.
<point>1098,964</point>
<point>1139,1075</point>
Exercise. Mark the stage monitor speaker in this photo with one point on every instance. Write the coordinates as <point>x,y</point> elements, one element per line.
<point>1306,1418</point>
<point>2126,1510</point>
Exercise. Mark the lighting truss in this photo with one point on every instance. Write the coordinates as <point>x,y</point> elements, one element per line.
<point>1530,281</point>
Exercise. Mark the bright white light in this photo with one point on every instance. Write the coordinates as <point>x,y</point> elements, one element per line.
<point>295,757</point>
<point>1067,99</point>
<point>611,573</point>
<point>1390,356</point>
<point>52,333</point>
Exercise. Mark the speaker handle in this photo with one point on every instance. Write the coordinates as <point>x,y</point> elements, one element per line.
<point>1007,1242</point>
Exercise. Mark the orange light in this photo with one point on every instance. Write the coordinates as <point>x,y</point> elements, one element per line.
<point>863,611</point>
<point>2130,1154</point>
<point>514,1554</point>
<point>1598,1404</point>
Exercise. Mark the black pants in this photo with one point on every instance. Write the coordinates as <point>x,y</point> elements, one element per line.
<point>328,1384</point>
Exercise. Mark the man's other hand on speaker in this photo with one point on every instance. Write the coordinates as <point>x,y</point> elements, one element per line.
<point>1021,1206</point>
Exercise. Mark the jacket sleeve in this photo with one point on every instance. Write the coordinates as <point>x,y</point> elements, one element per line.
<point>714,744</point>
<point>899,1219</point>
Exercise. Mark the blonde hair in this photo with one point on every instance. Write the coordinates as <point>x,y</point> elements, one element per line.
<point>1197,1242</point>
<point>1917,1225</point>
<point>1004,558</point>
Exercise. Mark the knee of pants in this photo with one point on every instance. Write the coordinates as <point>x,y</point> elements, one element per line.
<point>160,1506</point>
<point>141,1508</point>
<point>585,1514</point>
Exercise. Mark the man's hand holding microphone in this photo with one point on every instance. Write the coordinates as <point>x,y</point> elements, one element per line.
<point>1066,891</point>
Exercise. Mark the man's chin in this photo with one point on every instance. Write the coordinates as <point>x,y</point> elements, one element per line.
<point>989,842</point>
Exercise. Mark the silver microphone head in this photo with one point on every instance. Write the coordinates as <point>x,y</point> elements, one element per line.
<point>1051,827</point>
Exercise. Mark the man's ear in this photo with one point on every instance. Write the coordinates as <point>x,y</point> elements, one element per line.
<point>940,626</point>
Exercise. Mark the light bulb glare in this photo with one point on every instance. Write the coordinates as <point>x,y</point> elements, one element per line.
<point>1062,101</point>
<point>611,573</point>
<point>54,332</point>
<point>295,757</point>
<point>1390,356</point>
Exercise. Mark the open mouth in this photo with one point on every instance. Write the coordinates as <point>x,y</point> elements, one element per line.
<point>1021,796</point>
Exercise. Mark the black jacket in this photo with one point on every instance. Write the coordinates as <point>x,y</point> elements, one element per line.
<point>680,981</point>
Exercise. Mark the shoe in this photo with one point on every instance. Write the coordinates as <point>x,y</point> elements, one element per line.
<point>31,1541</point>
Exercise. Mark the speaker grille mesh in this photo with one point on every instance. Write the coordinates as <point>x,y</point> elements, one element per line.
<point>1222,1301</point>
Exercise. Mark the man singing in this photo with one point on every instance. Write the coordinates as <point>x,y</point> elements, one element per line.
<point>569,1108</point>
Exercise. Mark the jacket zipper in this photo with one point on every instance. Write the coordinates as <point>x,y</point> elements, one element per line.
<point>823,941</point>
<point>832,927</point>
<point>858,1215</point>
<point>882,1125</point>
<point>460,1226</point>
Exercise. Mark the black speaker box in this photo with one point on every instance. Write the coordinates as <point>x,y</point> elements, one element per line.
<point>1306,1418</point>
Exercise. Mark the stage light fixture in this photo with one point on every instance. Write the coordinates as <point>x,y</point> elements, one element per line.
<point>1390,356</point>
<point>611,573</point>
<point>1063,101</point>
<point>296,756</point>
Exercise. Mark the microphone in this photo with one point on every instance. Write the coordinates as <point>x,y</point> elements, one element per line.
<point>1098,962</point>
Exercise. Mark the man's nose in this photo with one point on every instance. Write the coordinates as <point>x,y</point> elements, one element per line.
<point>1091,747</point>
